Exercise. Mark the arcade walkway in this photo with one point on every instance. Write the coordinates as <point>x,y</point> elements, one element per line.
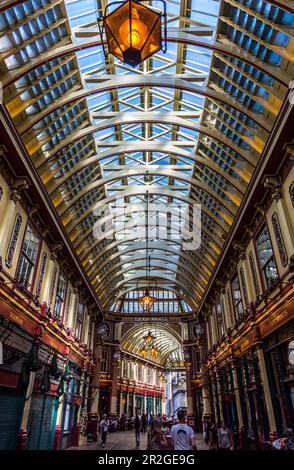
<point>123,440</point>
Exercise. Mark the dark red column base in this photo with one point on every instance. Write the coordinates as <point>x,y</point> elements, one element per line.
<point>57,438</point>
<point>22,440</point>
<point>76,435</point>
<point>242,439</point>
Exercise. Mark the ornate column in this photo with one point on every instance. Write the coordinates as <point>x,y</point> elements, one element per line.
<point>144,405</point>
<point>190,407</point>
<point>205,392</point>
<point>80,437</point>
<point>113,397</point>
<point>134,403</point>
<point>93,415</point>
<point>23,435</point>
<point>128,403</point>
<point>58,425</point>
<point>219,395</point>
<point>121,403</point>
<point>267,393</point>
<point>242,441</point>
<point>9,216</point>
<point>163,401</point>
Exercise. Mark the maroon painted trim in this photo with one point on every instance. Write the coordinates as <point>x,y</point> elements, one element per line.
<point>8,378</point>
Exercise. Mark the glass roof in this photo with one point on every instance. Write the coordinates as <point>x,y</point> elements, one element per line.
<point>187,127</point>
<point>165,340</point>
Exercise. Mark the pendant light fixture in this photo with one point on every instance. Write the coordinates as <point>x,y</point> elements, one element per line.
<point>133,32</point>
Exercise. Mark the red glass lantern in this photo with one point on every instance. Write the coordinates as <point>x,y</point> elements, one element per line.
<point>133,31</point>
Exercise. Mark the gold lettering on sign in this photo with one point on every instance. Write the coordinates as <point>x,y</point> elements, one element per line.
<point>16,318</point>
<point>274,319</point>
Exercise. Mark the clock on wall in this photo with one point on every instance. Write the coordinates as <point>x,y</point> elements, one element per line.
<point>291,353</point>
<point>103,330</point>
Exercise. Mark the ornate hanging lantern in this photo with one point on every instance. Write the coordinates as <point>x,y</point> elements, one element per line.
<point>143,351</point>
<point>149,338</point>
<point>146,301</point>
<point>154,351</point>
<point>133,32</point>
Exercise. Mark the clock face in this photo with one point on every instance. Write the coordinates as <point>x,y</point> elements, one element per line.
<point>291,353</point>
<point>291,357</point>
<point>103,330</point>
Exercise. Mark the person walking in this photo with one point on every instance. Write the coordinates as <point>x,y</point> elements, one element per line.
<point>225,441</point>
<point>182,435</point>
<point>137,429</point>
<point>212,436</point>
<point>144,422</point>
<point>104,427</point>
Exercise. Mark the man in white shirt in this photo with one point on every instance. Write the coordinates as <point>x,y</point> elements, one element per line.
<point>182,435</point>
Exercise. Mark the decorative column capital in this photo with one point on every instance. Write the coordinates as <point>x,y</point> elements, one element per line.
<point>77,285</point>
<point>273,183</point>
<point>45,231</point>
<point>260,209</point>
<point>55,249</point>
<point>249,230</point>
<point>21,184</point>
<point>240,248</point>
<point>15,196</point>
<point>33,209</point>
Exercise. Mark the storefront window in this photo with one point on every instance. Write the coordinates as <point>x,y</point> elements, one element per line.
<point>237,297</point>
<point>266,257</point>
<point>28,257</point>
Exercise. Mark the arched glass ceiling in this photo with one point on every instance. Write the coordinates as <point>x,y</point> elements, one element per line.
<point>166,341</point>
<point>188,126</point>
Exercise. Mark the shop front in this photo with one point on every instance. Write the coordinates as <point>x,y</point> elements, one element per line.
<point>252,398</point>
<point>42,422</point>
<point>279,348</point>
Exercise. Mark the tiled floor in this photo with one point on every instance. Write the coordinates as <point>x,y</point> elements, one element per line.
<point>125,440</point>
